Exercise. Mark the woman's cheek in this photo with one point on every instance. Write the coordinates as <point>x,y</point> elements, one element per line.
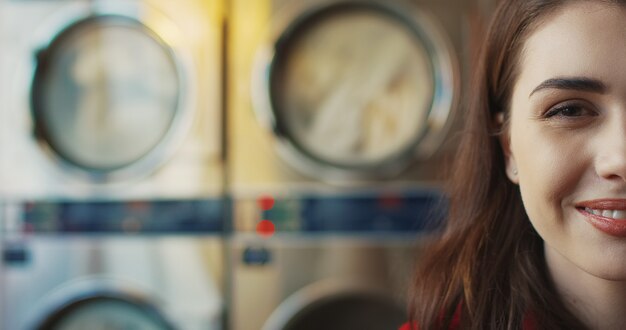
<point>551,171</point>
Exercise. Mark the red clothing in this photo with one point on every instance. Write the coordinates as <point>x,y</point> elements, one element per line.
<point>455,323</point>
<point>405,326</point>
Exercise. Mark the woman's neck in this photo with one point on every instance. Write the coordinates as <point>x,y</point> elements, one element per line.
<point>598,302</point>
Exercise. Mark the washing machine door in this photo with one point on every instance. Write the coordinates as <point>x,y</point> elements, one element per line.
<point>105,312</point>
<point>357,88</point>
<point>355,311</point>
<point>105,94</point>
<point>333,308</point>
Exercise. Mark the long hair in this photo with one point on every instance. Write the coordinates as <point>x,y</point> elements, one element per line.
<point>489,260</point>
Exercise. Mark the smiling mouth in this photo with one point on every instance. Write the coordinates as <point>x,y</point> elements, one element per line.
<point>610,214</point>
<point>606,215</point>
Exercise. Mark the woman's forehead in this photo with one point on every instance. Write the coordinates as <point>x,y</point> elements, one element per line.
<point>583,38</point>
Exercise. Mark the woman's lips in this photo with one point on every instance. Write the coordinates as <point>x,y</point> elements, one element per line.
<point>606,215</point>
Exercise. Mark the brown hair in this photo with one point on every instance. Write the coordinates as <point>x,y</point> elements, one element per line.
<point>489,259</point>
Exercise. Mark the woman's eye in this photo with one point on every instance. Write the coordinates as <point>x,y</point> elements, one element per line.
<point>570,110</point>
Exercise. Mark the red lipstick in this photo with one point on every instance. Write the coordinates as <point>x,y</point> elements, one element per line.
<point>608,225</point>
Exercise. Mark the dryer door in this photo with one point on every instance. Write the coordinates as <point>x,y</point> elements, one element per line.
<point>106,94</point>
<point>105,312</point>
<point>350,311</point>
<point>357,89</point>
<point>337,305</point>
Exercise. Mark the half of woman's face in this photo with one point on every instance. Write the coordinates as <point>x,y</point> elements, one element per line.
<point>567,139</point>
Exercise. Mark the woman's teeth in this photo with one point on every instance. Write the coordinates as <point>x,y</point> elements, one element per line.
<point>614,214</point>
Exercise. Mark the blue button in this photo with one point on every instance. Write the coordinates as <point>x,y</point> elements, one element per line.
<point>256,256</point>
<point>15,255</point>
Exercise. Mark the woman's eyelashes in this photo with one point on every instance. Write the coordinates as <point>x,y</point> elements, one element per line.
<point>570,111</point>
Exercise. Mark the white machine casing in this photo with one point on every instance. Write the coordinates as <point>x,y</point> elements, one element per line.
<point>186,162</point>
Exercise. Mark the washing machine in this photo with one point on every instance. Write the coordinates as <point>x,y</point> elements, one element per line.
<point>345,93</point>
<point>124,276</point>
<point>341,117</point>
<point>321,284</point>
<point>333,262</point>
<point>111,100</point>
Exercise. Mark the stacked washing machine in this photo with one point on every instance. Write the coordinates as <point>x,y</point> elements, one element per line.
<point>111,164</point>
<point>341,118</point>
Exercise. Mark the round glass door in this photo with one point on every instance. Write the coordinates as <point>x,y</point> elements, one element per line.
<point>354,311</point>
<point>352,85</point>
<point>105,314</point>
<point>105,93</point>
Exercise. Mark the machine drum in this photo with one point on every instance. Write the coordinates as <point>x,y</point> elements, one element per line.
<point>105,313</point>
<point>362,311</point>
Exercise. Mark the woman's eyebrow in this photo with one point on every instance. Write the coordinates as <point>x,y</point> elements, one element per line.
<point>573,83</point>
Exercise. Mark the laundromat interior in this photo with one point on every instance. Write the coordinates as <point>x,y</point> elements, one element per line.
<point>224,164</point>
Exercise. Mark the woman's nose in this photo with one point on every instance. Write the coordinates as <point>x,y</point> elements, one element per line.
<point>610,160</point>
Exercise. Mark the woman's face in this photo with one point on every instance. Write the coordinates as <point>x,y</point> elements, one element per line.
<point>567,136</point>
